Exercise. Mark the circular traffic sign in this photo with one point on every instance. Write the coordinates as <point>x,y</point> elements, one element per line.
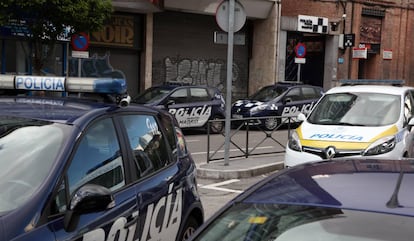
<point>300,50</point>
<point>222,16</point>
<point>80,41</point>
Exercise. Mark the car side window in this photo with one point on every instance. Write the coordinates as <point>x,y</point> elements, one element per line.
<point>179,96</point>
<point>182,146</point>
<point>293,95</point>
<point>147,143</point>
<point>199,94</point>
<point>310,93</point>
<point>97,160</point>
<point>170,134</point>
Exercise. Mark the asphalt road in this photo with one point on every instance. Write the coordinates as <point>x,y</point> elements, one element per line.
<point>215,193</point>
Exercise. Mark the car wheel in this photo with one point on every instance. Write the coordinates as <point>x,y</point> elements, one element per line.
<point>271,123</point>
<point>217,126</point>
<point>189,228</point>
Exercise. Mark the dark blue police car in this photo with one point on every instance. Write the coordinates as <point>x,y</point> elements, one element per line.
<point>192,105</point>
<point>80,169</point>
<point>354,199</point>
<point>271,105</point>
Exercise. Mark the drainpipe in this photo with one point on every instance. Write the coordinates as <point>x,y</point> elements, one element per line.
<point>278,17</point>
<point>351,30</point>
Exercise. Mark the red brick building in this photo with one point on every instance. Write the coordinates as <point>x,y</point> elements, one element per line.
<point>383,37</point>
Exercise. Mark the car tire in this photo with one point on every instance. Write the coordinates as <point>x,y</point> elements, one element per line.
<point>189,228</point>
<point>271,123</point>
<point>217,126</point>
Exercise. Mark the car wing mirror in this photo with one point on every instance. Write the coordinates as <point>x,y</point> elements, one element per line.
<point>301,117</point>
<point>287,100</point>
<point>169,102</point>
<point>87,199</point>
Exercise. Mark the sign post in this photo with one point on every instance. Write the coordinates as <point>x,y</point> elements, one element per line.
<point>230,17</point>
<point>300,51</point>
<point>80,45</point>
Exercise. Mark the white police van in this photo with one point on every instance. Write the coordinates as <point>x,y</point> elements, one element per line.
<point>356,120</point>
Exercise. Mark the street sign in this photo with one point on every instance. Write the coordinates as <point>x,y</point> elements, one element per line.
<point>349,40</point>
<point>222,16</point>
<point>300,50</point>
<point>300,61</point>
<point>80,54</point>
<point>80,42</point>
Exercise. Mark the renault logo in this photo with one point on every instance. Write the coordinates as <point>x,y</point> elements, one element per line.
<point>330,152</point>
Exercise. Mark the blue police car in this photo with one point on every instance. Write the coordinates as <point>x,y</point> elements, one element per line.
<point>192,105</point>
<point>345,199</point>
<point>91,168</point>
<point>271,105</point>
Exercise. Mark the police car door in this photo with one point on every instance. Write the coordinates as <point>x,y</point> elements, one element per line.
<point>96,175</point>
<point>159,189</point>
<point>191,106</point>
<point>298,99</point>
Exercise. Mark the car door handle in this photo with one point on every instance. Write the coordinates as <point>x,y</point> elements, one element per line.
<point>134,220</point>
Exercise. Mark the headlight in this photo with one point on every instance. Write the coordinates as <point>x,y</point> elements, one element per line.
<point>258,108</point>
<point>294,142</point>
<point>380,146</point>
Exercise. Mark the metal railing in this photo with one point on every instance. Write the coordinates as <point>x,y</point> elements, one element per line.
<point>242,129</point>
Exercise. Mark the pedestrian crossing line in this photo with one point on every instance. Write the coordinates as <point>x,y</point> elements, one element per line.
<point>216,186</point>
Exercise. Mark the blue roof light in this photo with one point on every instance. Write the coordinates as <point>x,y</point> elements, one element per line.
<point>110,86</point>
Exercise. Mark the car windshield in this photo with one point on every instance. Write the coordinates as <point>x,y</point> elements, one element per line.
<point>151,95</point>
<point>357,109</point>
<point>268,93</point>
<point>28,149</point>
<point>282,222</point>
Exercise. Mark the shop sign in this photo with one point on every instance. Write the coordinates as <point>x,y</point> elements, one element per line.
<point>387,54</point>
<point>122,31</point>
<point>312,24</point>
<point>359,53</point>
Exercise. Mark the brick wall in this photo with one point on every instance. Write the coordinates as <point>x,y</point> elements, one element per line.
<point>396,35</point>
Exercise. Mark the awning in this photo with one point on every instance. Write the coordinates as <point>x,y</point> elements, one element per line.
<point>138,6</point>
<point>255,9</point>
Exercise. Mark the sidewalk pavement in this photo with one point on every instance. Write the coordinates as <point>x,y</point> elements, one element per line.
<point>241,167</point>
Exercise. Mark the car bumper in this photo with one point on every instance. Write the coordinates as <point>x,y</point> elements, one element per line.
<point>293,158</point>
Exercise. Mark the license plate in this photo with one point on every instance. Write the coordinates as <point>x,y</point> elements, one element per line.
<point>237,117</point>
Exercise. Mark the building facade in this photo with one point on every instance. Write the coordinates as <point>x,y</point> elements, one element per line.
<point>381,33</point>
<point>317,42</point>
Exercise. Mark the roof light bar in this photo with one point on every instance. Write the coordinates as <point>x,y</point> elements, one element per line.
<point>96,85</point>
<point>371,82</point>
<point>7,82</point>
<point>62,84</point>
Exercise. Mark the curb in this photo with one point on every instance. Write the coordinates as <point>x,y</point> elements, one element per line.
<point>211,173</point>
